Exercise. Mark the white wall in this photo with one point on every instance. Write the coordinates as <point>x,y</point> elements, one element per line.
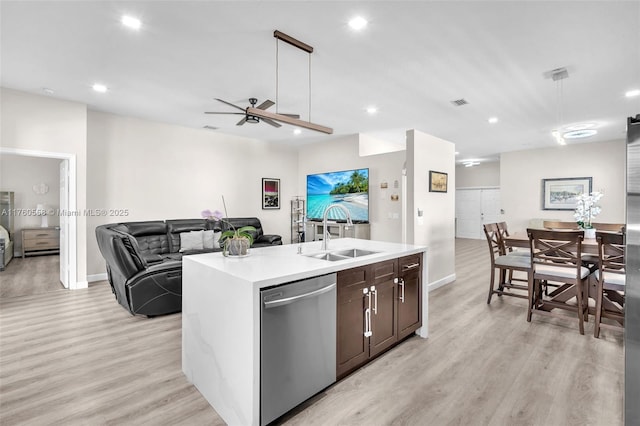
<point>342,153</point>
<point>19,174</point>
<point>436,228</point>
<point>158,171</point>
<point>40,123</point>
<point>521,175</point>
<point>482,175</point>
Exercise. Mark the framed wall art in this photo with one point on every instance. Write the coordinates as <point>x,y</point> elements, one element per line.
<point>270,193</point>
<point>560,194</point>
<point>438,181</point>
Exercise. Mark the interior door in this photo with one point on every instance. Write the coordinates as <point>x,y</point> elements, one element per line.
<point>475,207</point>
<point>64,223</point>
<point>468,213</point>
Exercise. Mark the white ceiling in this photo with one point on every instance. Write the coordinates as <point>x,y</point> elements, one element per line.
<point>410,62</point>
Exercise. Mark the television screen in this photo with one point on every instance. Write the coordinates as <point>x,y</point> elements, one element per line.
<point>349,188</point>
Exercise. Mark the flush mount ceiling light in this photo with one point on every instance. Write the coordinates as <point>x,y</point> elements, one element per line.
<point>632,93</point>
<point>256,112</point>
<point>471,163</point>
<point>297,131</point>
<point>493,120</point>
<point>577,134</point>
<point>358,23</point>
<point>100,88</point>
<point>131,22</point>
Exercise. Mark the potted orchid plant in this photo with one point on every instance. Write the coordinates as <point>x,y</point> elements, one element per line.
<point>234,241</point>
<point>586,211</point>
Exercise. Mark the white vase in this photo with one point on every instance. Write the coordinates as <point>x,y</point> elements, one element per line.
<point>590,233</point>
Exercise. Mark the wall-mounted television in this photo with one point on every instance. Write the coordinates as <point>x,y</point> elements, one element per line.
<point>349,188</point>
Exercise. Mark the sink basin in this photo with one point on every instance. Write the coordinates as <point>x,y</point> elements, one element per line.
<point>341,254</point>
<point>354,252</point>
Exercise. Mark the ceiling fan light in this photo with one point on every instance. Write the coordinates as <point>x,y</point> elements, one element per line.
<point>252,119</point>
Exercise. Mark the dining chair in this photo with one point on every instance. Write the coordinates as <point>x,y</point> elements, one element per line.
<point>505,264</point>
<point>554,224</point>
<point>556,257</point>
<point>503,229</point>
<point>609,227</point>
<point>610,280</point>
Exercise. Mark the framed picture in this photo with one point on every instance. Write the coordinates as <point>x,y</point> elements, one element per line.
<point>560,194</point>
<point>270,193</point>
<point>437,181</point>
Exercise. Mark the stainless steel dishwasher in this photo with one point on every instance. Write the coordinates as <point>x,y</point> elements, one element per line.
<point>297,343</point>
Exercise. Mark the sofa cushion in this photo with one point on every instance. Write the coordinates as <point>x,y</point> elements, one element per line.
<point>191,240</point>
<point>211,239</point>
<point>176,226</point>
<point>151,236</point>
<point>139,229</point>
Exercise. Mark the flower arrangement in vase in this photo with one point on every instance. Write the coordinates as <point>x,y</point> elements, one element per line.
<point>234,241</point>
<point>586,211</point>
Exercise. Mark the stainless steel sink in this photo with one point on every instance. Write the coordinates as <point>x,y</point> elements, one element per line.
<point>341,254</point>
<point>354,252</point>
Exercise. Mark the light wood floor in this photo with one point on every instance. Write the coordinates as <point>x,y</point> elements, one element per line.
<point>31,275</point>
<point>78,358</point>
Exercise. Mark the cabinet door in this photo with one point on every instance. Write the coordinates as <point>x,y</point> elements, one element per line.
<point>352,346</point>
<point>409,295</point>
<point>384,305</point>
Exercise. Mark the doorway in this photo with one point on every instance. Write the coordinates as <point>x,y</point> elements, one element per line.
<point>66,211</point>
<point>474,208</point>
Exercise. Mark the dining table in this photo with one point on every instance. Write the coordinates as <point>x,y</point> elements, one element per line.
<point>521,239</point>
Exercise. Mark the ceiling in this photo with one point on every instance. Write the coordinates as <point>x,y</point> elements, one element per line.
<point>411,61</point>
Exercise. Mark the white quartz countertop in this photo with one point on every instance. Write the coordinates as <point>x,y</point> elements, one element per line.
<point>267,266</point>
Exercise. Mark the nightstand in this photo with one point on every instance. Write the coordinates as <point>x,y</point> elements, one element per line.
<point>37,241</point>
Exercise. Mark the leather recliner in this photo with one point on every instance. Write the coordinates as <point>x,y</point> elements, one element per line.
<point>144,260</point>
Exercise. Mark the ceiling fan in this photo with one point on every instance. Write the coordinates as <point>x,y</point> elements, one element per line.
<point>250,118</point>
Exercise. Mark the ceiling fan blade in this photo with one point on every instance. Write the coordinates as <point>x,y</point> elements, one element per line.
<point>270,121</point>
<point>234,113</point>
<point>266,104</point>
<point>230,104</point>
<point>241,122</point>
<point>292,115</point>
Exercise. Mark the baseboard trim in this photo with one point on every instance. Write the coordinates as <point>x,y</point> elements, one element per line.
<point>441,282</point>
<point>97,277</point>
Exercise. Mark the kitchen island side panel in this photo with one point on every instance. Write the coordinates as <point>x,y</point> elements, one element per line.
<point>220,341</point>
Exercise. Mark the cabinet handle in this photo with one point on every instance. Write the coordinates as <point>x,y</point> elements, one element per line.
<point>367,314</point>
<point>411,266</point>
<point>375,300</point>
<point>401,282</point>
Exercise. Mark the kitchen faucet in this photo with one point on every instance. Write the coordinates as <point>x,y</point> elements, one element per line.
<point>325,230</point>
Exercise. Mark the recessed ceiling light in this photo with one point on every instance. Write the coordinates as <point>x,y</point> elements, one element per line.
<point>358,23</point>
<point>577,134</point>
<point>372,110</point>
<point>101,88</point>
<point>131,22</point>
<point>632,93</point>
<point>457,153</point>
<point>493,120</point>
<point>297,131</point>
<point>581,126</point>
<point>47,90</point>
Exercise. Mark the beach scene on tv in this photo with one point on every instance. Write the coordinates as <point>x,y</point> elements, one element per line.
<point>349,188</point>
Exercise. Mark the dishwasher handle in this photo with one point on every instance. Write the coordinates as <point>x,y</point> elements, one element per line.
<point>287,300</point>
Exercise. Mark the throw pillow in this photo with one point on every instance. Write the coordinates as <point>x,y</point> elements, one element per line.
<point>211,239</point>
<point>191,240</point>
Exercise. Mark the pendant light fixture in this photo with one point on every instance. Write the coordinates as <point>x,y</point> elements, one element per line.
<point>558,75</point>
<point>256,112</point>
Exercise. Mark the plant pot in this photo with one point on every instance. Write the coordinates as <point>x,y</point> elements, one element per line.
<point>590,233</point>
<point>236,246</point>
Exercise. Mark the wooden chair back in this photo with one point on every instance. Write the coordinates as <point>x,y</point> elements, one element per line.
<point>493,239</point>
<point>611,251</point>
<point>556,248</point>
<point>554,224</point>
<point>609,227</point>
<point>611,280</point>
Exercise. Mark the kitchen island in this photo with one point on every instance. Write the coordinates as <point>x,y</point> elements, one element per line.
<point>221,308</point>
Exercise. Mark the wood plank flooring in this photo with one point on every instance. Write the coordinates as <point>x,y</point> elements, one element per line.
<point>78,358</point>
<point>31,275</point>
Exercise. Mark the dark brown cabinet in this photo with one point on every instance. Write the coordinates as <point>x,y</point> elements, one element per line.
<point>378,305</point>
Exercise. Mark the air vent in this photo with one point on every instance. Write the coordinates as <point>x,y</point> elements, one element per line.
<point>210,127</point>
<point>459,102</point>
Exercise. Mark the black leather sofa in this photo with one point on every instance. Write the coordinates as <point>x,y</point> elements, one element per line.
<point>144,259</point>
